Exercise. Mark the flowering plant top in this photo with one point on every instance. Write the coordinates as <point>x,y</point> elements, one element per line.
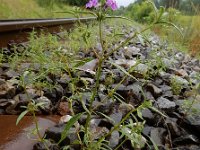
<point>106,4</point>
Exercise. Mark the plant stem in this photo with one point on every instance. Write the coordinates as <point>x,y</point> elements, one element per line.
<point>36,126</point>
<point>120,144</point>
<point>98,75</point>
<point>38,132</point>
<point>116,126</point>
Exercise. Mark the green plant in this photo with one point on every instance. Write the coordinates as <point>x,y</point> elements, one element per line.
<point>102,57</point>
<point>156,63</point>
<point>188,105</point>
<point>54,59</point>
<point>1,58</point>
<point>176,86</point>
<point>31,108</point>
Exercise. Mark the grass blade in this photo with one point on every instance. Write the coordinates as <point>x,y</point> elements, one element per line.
<point>21,116</point>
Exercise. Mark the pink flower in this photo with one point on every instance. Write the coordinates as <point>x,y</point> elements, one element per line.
<point>112,4</point>
<point>92,3</point>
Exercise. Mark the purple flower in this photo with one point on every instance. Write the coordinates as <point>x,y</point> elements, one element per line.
<point>112,4</point>
<point>92,3</point>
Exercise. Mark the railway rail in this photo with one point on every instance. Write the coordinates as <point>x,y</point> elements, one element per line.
<point>17,31</point>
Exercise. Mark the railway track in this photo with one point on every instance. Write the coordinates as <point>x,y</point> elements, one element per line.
<point>17,31</point>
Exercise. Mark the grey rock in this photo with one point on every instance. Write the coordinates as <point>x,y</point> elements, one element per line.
<point>154,39</point>
<point>89,66</point>
<point>23,99</point>
<point>95,122</point>
<point>50,94</point>
<point>167,63</point>
<point>148,115</point>
<point>173,127</point>
<point>135,91</point>
<point>64,80</point>
<point>194,122</point>
<point>59,91</point>
<point>114,139</point>
<point>5,66</point>
<point>5,102</point>
<point>158,81</point>
<point>41,146</point>
<point>164,75</point>
<point>116,117</point>
<point>165,104</point>
<point>167,91</point>
<point>130,92</point>
<point>46,103</point>
<point>181,72</point>
<point>157,135</point>
<point>187,147</point>
<point>194,77</point>
<point>10,74</point>
<point>24,66</point>
<point>142,68</point>
<point>54,133</point>
<point>189,139</point>
<point>129,52</point>
<point>6,89</point>
<point>154,90</point>
<point>125,63</point>
<point>180,56</point>
<point>180,80</point>
<point>65,119</point>
<point>147,130</point>
<point>125,108</point>
<point>148,95</point>
<point>98,132</point>
<point>195,62</point>
<point>106,107</point>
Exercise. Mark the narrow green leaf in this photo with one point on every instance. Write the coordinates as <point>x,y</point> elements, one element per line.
<point>82,62</point>
<point>155,10</point>
<point>107,117</point>
<point>21,116</point>
<point>161,12</point>
<point>154,144</point>
<point>69,124</point>
<point>159,112</point>
<point>123,70</point>
<point>84,107</point>
<point>141,39</point>
<point>139,113</point>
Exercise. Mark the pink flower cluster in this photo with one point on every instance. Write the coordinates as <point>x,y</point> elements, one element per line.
<point>109,3</point>
<point>92,3</point>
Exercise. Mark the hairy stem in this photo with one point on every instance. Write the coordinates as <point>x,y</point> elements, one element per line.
<point>98,75</point>
<point>37,130</point>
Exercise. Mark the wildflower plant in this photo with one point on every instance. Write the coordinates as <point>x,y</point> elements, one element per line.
<point>99,9</point>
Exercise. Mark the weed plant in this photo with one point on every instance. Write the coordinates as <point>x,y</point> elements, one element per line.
<point>176,86</point>
<point>54,59</point>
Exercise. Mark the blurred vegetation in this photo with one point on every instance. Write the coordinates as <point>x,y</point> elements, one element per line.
<point>46,3</point>
<point>75,2</point>
<point>13,9</point>
<point>183,13</point>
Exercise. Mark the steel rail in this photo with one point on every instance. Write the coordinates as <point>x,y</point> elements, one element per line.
<point>18,30</point>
